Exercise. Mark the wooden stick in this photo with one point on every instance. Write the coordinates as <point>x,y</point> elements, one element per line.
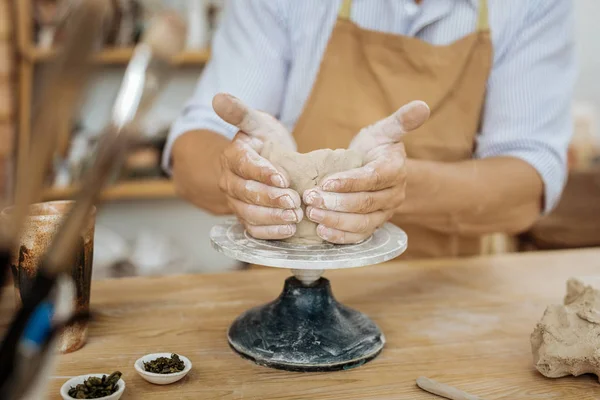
<point>440,389</point>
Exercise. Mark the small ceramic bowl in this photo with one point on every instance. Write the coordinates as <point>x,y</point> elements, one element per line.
<point>161,379</point>
<point>64,390</point>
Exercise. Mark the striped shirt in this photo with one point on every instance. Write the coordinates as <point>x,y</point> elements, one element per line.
<point>267,53</point>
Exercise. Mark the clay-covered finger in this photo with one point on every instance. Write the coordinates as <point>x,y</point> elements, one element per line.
<point>258,193</point>
<point>359,202</point>
<point>340,237</point>
<point>254,143</point>
<point>270,232</point>
<point>259,215</point>
<point>392,128</point>
<point>407,118</point>
<point>255,123</point>
<point>241,158</point>
<point>385,171</point>
<point>348,222</point>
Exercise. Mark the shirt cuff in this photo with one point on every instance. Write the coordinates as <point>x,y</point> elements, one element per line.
<point>548,163</point>
<point>187,123</point>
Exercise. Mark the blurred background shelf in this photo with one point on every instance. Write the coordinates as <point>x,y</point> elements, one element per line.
<point>142,208</point>
<point>37,44</point>
<point>120,56</point>
<point>133,190</point>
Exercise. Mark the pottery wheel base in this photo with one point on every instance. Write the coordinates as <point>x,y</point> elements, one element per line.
<point>306,329</point>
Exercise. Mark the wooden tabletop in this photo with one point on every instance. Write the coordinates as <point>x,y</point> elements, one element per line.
<point>462,322</point>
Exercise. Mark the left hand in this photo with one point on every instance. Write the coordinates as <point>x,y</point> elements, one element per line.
<point>349,206</point>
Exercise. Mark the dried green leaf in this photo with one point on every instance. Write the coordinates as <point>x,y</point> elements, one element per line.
<point>96,388</point>
<point>164,365</point>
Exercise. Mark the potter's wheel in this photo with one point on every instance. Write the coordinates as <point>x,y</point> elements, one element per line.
<point>232,240</point>
<point>306,329</point>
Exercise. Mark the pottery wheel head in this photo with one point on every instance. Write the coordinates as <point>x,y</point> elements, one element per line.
<point>231,239</point>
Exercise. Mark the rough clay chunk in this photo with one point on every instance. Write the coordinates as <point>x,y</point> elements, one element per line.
<point>567,339</point>
<point>306,171</point>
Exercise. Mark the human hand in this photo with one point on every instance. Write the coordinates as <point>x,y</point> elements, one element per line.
<point>256,191</point>
<point>349,206</point>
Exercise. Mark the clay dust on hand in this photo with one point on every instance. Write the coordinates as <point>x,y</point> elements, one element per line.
<point>307,171</point>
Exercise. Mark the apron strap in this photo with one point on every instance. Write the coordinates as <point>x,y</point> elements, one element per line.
<point>345,8</point>
<point>483,23</point>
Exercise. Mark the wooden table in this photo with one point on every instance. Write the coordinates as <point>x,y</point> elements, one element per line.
<point>463,322</point>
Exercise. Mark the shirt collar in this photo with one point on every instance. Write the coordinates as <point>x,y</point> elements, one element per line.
<point>432,13</point>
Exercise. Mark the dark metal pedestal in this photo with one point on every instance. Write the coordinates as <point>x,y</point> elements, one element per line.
<point>306,329</point>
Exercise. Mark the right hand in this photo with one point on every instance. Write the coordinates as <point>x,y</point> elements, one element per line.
<point>257,193</point>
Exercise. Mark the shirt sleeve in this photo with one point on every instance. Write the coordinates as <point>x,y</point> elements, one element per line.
<point>528,103</point>
<point>249,59</point>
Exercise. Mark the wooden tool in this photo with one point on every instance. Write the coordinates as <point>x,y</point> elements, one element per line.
<point>440,389</point>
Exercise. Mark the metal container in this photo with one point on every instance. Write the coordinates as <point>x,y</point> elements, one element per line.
<point>41,225</point>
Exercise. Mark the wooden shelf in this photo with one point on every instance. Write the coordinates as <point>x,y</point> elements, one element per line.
<point>121,56</point>
<point>134,190</point>
<point>31,57</point>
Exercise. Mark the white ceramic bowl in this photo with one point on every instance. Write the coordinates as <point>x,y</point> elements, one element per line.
<point>161,379</point>
<point>64,390</point>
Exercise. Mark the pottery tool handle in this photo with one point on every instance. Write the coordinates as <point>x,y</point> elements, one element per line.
<point>440,389</point>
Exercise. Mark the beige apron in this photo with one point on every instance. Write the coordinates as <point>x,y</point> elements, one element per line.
<point>367,75</point>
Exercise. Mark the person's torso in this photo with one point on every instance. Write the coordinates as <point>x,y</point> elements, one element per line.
<point>367,74</point>
<point>440,22</point>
